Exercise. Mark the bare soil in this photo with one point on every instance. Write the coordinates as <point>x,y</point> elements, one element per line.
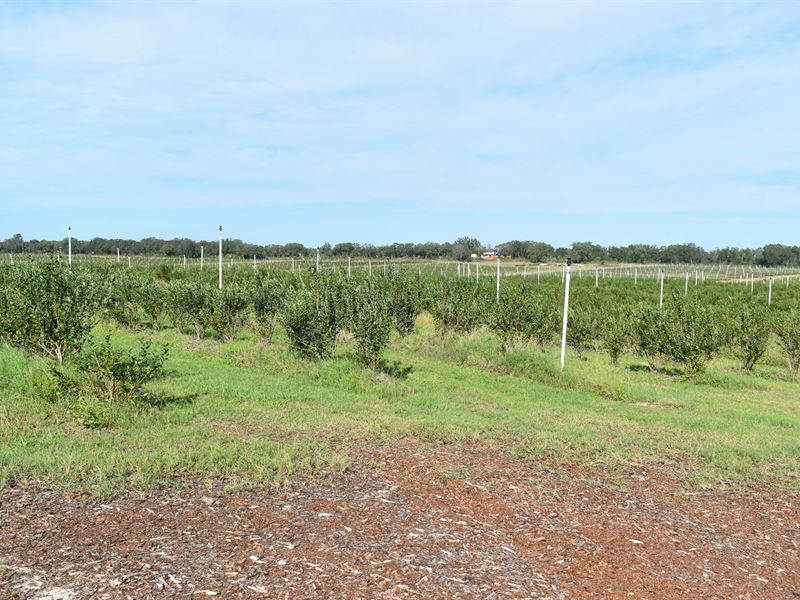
<point>409,521</point>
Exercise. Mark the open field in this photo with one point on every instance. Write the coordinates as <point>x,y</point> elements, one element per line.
<point>453,467</point>
<point>509,267</point>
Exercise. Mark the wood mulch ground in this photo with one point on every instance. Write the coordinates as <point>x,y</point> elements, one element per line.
<point>409,521</point>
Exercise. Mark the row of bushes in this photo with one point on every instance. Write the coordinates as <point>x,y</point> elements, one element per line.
<point>47,309</point>
<point>51,310</point>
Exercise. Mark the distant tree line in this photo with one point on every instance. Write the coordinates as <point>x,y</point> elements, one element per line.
<point>463,248</point>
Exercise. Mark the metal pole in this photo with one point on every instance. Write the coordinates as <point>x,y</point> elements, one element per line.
<point>661,294</point>
<point>69,245</point>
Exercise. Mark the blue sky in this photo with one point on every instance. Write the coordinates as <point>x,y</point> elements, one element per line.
<point>312,122</point>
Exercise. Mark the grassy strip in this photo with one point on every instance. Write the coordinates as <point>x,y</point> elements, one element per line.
<point>251,413</point>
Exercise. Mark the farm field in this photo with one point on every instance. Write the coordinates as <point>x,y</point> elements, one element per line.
<point>335,435</point>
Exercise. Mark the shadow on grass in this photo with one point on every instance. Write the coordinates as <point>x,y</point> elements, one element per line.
<point>395,368</point>
<point>672,371</point>
<point>164,400</point>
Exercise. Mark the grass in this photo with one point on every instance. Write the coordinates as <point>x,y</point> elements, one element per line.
<point>250,413</point>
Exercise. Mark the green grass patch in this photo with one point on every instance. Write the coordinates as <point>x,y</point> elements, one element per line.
<point>251,413</point>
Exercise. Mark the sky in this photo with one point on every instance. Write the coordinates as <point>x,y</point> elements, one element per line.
<point>402,121</point>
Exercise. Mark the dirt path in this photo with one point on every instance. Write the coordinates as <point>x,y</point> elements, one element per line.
<point>408,522</point>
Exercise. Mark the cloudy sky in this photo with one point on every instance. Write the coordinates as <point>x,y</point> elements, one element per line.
<point>404,121</point>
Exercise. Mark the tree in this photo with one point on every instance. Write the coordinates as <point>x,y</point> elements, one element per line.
<point>465,247</point>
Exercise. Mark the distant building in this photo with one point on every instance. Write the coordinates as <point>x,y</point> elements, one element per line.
<point>489,255</point>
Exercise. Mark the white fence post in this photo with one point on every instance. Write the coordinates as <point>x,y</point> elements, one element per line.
<point>201,257</point>
<point>220,257</point>
<point>69,245</point>
<point>661,294</point>
<point>566,317</point>
<point>498,281</point>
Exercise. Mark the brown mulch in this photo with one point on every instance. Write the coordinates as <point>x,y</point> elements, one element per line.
<point>410,522</point>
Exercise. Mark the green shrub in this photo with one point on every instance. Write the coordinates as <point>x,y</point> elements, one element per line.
<point>312,318</point>
<point>459,306</point>
<point>370,320</point>
<point>787,328</point>
<point>521,316</point>
<point>691,334</point>
<point>152,299</point>
<point>507,320</point>
<point>226,311</point>
<point>583,327</point>
<point>648,329</point>
<point>103,372</point>
<point>47,308</point>
<point>750,333</point>
<point>267,297</point>
<point>121,301</point>
<point>405,303</point>
<point>616,334</point>
<point>182,304</point>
